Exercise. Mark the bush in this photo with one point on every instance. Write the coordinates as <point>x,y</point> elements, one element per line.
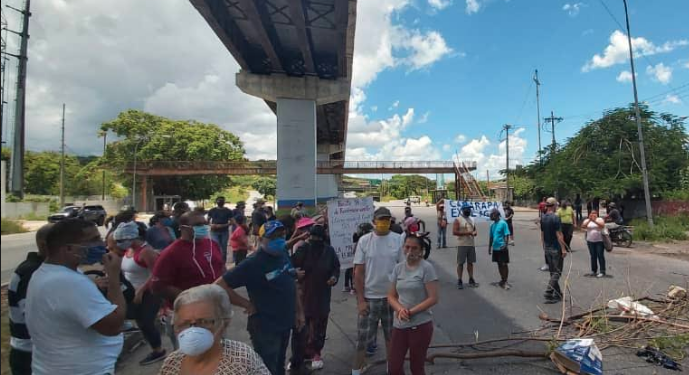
<point>665,229</point>
<point>677,195</point>
<point>11,227</point>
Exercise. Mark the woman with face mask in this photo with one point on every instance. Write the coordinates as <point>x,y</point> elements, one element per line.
<point>413,292</point>
<point>202,314</point>
<point>138,260</point>
<point>159,234</point>
<point>320,269</point>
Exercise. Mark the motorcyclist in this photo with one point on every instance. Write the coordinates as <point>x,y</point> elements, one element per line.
<point>614,219</point>
<point>410,223</point>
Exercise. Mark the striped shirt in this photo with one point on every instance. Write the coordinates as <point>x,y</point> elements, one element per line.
<point>16,297</point>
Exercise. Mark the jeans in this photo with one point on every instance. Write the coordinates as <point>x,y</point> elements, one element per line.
<point>349,278</point>
<point>568,232</point>
<point>145,315</point>
<point>20,362</point>
<point>270,346</point>
<point>221,237</point>
<point>555,262</point>
<point>442,240</point>
<point>597,252</point>
<point>416,341</point>
<point>580,217</point>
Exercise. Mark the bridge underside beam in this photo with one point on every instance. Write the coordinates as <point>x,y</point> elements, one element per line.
<point>171,171</point>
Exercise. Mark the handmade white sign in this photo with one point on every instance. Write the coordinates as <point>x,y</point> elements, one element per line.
<point>479,210</point>
<point>344,216</point>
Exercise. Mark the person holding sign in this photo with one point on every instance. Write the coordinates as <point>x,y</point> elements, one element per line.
<point>464,228</point>
<point>497,247</point>
<point>376,255</point>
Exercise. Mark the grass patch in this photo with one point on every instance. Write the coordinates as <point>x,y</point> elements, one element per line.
<point>665,229</point>
<point>672,346</point>
<point>12,227</point>
<point>34,217</point>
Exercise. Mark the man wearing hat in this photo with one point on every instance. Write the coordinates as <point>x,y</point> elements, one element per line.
<point>555,250</point>
<point>376,255</point>
<point>258,218</point>
<point>273,308</point>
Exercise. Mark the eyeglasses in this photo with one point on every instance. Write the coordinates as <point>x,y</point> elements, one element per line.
<point>208,324</point>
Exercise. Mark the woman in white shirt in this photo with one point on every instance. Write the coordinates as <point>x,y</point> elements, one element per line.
<point>594,227</point>
<point>138,259</point>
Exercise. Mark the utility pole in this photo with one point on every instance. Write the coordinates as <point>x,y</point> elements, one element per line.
<point>507,128</point>
<point>552,120</point>
<point>62,161</point>
<point>105,143</point>
<point>17,173</point>
<point>538,112</point>
<point>644,171</point>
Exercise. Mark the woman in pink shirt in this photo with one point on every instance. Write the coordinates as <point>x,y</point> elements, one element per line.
<point>239,240</point>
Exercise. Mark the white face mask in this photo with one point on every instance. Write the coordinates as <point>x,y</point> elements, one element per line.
<point>195,341</point>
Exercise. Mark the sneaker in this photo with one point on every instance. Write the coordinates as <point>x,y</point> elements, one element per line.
<point>511,243</point>
<point>544,268</point>
<point>346,289</point>
<point>473,284</point>
<point>317,364</point>
<point>352,292</point>
<point>460,285</point>
<point>153,357</point>
<point>600,275</point>
<point>504,285</point>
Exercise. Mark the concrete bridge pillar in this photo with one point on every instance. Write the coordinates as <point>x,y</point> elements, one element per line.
<point>298,150</point>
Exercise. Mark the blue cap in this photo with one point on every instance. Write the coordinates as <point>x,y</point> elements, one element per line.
<point>271,226</point>
<point>467,205</point>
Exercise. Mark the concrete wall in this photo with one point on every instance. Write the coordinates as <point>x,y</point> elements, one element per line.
<point>15,210</point>
<point>637,208</point>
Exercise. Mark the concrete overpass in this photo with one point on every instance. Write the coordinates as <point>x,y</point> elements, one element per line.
<point>296,55</point>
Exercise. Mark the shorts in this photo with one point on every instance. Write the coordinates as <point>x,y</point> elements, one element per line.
<point>501,256</point>
<point>466,254</point>
<point>367,326</point>
<point>509,226</point>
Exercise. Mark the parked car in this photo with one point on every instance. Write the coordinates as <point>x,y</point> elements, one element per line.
<point>93,213</point>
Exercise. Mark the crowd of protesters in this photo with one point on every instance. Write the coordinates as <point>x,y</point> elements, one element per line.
<point>68,316</point>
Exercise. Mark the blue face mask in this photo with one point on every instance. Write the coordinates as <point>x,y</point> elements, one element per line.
<point>201,231</point>
<point>276,246</point>
<point>94,254</point>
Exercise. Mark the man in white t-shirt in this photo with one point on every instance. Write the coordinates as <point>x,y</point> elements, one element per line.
<point>75,329</point>
<point>376,255</point>
<point>464,228</point>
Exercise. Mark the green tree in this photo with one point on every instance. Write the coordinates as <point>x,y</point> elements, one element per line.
<point>156,138</point>
<point>603,158</point>
<point>42,173</point>
<point>265,186</point>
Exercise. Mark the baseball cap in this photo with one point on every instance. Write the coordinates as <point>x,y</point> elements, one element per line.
<point>382,212</point>
<point>271,227</point>
<point>305,222</point>
<point>467,205</point>
<point>551,201</point>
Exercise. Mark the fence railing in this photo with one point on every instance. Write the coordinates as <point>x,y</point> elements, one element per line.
<point>272,164</point>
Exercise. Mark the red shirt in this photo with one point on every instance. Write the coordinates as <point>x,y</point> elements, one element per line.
<point>239,239</point>
<point>541,207</point>
<point>176,266</point>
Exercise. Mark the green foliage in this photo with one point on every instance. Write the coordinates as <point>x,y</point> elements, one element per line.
<point>603,158</point>
<point>403,186</point>
<point>265,186</point>
<point>42,173</point>
<point>232,195</point>
<point>156,138</point>
<point>665,228</point>
<point>677,195</point>
<point>6,153</point>
<point>684,178</point>
<point>523,187</point>
<point>674,346</point>
<point>11,227</point>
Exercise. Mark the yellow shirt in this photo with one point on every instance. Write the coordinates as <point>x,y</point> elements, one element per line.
<point>565,215</point>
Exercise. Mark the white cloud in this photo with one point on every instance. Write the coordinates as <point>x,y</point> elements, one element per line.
<point>493,160</point>
<point>660,73</point>
<point>624,76</point>
<point>672,99</point>
<point>374,108</point>
<point>447,148</point>
<point>686,65</point>
<point>460,138</point>
<point>573,9</point>
<point>473,6</point>
<point>617,52</point>
<point>394,105</point>
<point>425,48</point>
<point>439,4</point>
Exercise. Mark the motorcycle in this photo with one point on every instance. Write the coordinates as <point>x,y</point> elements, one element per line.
<point>622,235</point>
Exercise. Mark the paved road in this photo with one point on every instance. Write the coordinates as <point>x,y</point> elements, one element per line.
<point>14,250</point>
<point>490,312</point>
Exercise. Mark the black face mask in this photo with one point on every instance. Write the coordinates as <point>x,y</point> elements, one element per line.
<point>466,212</point>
